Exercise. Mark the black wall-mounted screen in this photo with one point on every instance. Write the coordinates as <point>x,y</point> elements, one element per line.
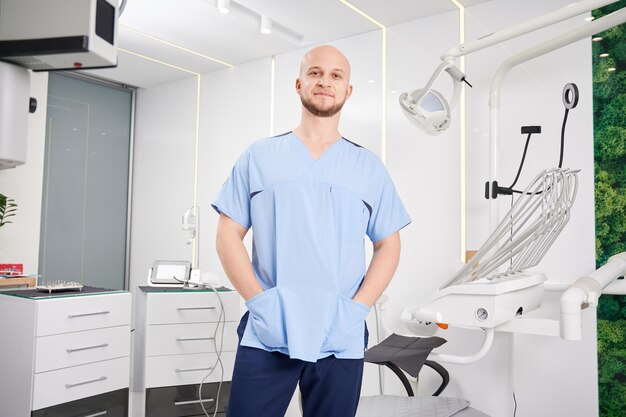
<point>105,20</point>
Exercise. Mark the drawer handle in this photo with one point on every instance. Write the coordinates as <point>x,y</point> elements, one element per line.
<point>195,308</point>
<point>97,313</point>
<point>208,400</point>
<point>189,339</point>
<point>102,378</point>
<point>86,348</point>
<point>101,413</point>
<point>193,369</point>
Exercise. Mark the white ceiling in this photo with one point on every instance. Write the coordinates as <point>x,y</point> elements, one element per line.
<point>232,38</point>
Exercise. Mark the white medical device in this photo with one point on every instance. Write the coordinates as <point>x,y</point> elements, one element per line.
<point>480,294</point>
<point>59,34</point>
<point>169,273</point>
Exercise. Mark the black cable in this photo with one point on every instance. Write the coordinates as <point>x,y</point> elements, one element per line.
<point>514,401</point>
<point>521,164</point>
<point>563,137</point>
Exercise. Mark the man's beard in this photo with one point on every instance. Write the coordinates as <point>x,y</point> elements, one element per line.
<point>318,111</point>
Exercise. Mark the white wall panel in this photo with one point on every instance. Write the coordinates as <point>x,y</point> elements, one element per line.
<point>235,111</point>
<point>163,176</point>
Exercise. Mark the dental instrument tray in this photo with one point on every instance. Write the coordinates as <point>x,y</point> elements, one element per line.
<point>59,286</point>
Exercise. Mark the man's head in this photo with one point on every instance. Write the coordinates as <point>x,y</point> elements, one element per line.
<point>324,81</point>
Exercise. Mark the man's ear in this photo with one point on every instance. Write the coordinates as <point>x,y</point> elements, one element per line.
<point>298,85</point>
<point>348,91</point>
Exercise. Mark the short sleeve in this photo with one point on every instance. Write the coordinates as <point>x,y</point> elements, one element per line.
<point>233,198</point>
<point>388,213</point>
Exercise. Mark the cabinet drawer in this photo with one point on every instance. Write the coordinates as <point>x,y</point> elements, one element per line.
<point>178,339</point>
<point>111,404</point>
<point>165,371</point>
<point>69,384</point>
<point>70,349</point>
<point>72,314</point>
<point>191,307</point>
<point>183,400</point>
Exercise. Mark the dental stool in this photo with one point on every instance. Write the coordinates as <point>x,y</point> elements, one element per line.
<point>408,354</point>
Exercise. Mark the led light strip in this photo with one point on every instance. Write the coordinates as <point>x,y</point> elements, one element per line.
<point>194,249</point>
<point>463,127</point>
<point>272,94</point>
<point>383,123</point>
<point>182,48</point>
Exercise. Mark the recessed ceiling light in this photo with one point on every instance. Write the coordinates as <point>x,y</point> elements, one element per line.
<point>371,81</point>
<point>612,69</point>
<point>589,19</point>
<point>223,6</point>
<point>604,55</point>
<point>597,38</point>
<point>266,25</point>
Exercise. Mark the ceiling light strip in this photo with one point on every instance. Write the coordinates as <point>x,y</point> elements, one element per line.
<point>182,48</point>
<point>194,249</point>
<point>272,94</point>
<point>463,139</point>
<point>157,61</point>
<point>383,122</point>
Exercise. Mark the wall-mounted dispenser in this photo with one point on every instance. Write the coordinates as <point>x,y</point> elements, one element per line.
<point>14,108</point>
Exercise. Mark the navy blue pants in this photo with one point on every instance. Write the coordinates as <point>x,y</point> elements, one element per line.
<point>264,382</point>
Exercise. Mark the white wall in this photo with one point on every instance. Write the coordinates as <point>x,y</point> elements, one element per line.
<point>549,376</point>
<point>163,175</point>
<point>19,241</point>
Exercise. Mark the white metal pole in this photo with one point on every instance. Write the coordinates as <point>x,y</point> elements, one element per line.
<point>528,26</point>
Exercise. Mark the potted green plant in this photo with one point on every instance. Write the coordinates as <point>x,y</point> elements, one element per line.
<point>8,208</point>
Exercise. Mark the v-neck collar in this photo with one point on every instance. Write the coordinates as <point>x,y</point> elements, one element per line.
<point>307,154</point>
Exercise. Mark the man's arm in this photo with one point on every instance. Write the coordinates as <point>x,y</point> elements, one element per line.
<point>234,257</point>
<point>382,267</point>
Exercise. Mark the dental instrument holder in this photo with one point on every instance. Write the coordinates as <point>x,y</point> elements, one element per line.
<point>479,295</point>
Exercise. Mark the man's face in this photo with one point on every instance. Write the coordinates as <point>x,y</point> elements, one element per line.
<point>324,81</point>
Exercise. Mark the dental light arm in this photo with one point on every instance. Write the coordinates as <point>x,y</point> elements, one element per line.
<point>430,111</point>
<point>528,26</point>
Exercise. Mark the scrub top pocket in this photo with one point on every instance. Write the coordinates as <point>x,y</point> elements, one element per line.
<point>348,329</point>
<point>266,318</point>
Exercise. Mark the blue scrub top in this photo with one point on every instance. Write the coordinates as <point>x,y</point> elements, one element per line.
<point>309,219</point>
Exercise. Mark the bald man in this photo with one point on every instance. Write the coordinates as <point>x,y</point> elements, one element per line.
<point>311,196</point>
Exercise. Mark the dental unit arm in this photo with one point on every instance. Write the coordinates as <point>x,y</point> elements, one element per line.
<point>492,299</point>
<point>585,292</point>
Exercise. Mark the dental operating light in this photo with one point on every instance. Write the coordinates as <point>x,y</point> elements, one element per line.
<point>427,108</point>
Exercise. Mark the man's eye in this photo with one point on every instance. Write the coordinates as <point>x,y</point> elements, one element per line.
<point>337,76</point>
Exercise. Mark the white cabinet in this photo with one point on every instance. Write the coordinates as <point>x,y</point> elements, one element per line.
<point>176,335</point>
<point>65,354</point>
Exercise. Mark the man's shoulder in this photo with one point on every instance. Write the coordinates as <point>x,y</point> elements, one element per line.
<point>363,153</point>
<point>266,143</point>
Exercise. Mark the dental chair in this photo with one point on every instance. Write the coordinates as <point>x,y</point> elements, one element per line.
<point>408,354</point>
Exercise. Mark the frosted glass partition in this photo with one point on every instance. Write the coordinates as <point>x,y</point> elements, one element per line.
<point>85,189</point>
